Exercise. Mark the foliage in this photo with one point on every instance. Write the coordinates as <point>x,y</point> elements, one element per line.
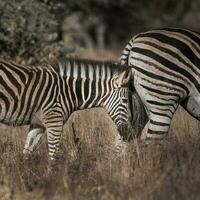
<point>35,30</point>
<point>90,169</point>
<point>123,18</point>
<point>28,30</point>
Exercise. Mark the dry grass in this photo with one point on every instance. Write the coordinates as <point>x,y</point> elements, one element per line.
<point>90,169</point>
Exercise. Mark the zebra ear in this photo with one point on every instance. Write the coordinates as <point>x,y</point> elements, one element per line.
<point>123,78</point>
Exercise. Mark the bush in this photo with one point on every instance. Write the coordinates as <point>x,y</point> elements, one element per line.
<point>28,31</point>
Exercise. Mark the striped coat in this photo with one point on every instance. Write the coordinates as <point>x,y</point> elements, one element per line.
<point>46,95</point>
<point>166,73</point>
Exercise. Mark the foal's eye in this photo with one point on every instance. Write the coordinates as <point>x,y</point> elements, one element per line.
<point>125,100</point>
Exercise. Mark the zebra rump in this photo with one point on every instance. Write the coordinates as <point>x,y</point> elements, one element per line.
<point>165,73</point>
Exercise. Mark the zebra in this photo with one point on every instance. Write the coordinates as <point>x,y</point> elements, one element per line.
<point>44,96</point>
<point>165,74</point>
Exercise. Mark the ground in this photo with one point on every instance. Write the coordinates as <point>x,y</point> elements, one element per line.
<point>90,169</point>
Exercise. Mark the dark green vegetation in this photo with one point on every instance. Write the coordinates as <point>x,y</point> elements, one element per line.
<point>38,30</point>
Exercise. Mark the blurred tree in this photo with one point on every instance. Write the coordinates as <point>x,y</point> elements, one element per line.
<point>28,31</point>
<point>35,29</point>
<point>96,22</point>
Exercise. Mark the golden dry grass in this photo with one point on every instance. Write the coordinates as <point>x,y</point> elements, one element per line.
<point>90,169</point>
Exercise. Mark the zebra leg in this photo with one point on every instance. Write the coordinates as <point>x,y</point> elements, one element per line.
<point>34,135</point>
<point>160,110</point>
<point>54,125</point>
<point>159,123</point>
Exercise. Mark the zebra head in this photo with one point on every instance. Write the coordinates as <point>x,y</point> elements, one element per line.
<point>117,103</point>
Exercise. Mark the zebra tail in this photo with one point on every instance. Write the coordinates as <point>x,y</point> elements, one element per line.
<point>126,51</point>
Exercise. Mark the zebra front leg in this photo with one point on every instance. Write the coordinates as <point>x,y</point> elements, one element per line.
<point>54,128</point>
<point>54,125</point>
<point>155,131</point>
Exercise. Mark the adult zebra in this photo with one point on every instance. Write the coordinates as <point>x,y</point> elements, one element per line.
<point>45,95</point>
<point>166,72</point>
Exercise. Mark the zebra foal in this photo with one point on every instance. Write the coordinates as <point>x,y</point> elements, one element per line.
<point>44,96</point>
<point>165,74</point>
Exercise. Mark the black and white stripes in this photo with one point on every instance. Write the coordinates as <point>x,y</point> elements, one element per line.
<point>45,95</point>
<point>166,73</point>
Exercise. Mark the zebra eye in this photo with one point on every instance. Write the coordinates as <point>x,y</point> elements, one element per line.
<point>125,100</point>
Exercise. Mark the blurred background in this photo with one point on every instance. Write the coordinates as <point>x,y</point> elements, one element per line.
<point>37,30</point>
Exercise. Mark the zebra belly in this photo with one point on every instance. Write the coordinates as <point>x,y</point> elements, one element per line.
<point>13,115</point>
<point>15,122</point>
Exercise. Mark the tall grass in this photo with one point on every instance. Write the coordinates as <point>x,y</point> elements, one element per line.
<point>90,169</point>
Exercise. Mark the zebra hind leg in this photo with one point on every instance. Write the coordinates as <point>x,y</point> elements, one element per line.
<point>159,123</point>
<point>36,131</point>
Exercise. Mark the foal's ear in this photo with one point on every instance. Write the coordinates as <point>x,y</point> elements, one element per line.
<point>123,77</point>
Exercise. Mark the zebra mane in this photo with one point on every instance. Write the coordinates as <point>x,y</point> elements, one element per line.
<point>66,64</point>
<point>74,67</point>
<point>86,61</point>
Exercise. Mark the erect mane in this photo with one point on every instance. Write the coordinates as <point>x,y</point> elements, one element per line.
<point>91,61</point>
<point>113,65</point>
